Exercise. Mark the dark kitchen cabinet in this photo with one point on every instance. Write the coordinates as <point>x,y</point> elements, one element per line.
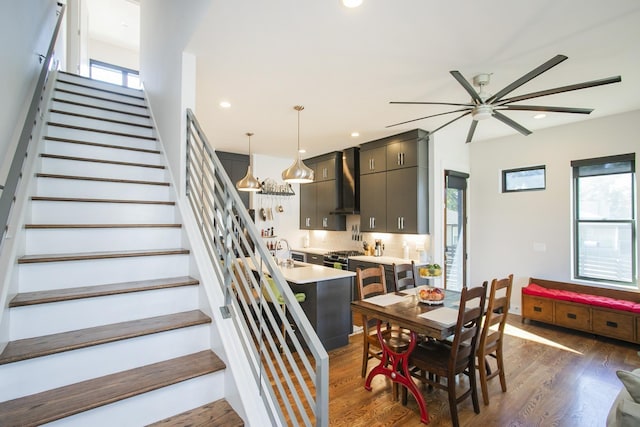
<point>322,196</point>
<point>373,202</point>
<point>388,273</point>
<point>236,167</point>
<point>394,199</point>
<point>373,159</point>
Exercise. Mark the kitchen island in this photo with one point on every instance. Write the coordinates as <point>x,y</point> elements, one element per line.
<point>328,299</point>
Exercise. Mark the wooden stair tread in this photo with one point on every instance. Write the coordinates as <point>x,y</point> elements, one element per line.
<point>97,107</point>
<point>57,295</point>
<point>103,119</point>
<point>29,348</point>
<point>30,259</point>
<point>218,413</point>
<point>109,132</point>
<point>63,226</point>
<point>100,98</point>
<point>99,144</point>
<point>113,92</point>
<point>89,200</point>
<point>95,178</point>
<point>92,160</point>
<point>65,401</point>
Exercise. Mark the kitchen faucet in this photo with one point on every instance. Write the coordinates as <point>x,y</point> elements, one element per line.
<point>278,246</point>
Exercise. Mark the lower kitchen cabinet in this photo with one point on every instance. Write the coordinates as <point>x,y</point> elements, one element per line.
<point>388,274</point>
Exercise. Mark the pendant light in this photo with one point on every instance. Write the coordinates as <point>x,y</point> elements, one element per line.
<point>298,172</point>
<point>248,183</point>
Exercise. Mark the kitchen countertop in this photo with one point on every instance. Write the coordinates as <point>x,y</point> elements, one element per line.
<point>387,260</point>
<point>304,273</point>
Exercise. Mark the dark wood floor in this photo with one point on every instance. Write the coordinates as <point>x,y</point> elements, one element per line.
<point>555,377</point>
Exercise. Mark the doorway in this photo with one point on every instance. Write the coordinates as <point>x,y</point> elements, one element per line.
<point>455,229</point>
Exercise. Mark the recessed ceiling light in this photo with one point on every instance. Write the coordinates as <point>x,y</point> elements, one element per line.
<point>352,3</point>
<point>540,116</point>
<point>355,134</point>
<point>225,104</point>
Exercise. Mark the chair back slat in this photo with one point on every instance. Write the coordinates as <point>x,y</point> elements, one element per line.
<point>404,276</point>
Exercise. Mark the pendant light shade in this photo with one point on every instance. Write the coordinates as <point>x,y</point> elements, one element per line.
<point>248,183</point>
<point>298,172</point>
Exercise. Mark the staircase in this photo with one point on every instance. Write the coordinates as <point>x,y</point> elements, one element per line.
<point>107,327</point>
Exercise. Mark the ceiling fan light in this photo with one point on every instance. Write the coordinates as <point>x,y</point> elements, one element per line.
<point>482,112</point>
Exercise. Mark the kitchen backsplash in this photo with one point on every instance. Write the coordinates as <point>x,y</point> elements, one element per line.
<point>343,240</point>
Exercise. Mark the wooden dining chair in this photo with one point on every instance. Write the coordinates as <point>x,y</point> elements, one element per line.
<point>490,344</point>
<point>371,282</point>
<point>404,276</point>
<point>435,360</point>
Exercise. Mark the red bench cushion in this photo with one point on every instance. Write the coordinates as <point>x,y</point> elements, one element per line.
<point>595,300</point>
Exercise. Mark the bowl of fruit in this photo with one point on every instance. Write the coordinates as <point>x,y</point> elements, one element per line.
<point>430,270</point>
<point>431,295</point>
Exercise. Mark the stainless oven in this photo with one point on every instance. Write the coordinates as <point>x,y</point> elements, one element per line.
<point>339,259</point>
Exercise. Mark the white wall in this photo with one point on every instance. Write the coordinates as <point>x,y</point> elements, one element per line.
<point>165,29</point>
<point>508,230</point>
<point>25,30</point>
<point>112,54</point>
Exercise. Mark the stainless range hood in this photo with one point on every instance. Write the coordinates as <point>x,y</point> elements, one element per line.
<point>350,200</point>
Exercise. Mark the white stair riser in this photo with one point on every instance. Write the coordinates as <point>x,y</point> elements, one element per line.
<point>99,124</point>
<point>101,170</point>
<point>98,84</point>
<point>43,373</point>
<point>105,153</point>
<point>98,112</point>
<point>56,187</point>
<point>60,241</point>
<point>101,94</point>
<point>83,313</point>
<point>152,406</point>
<point>102,138</point>
<point>60,275</point>
<point>45,212</point>
<point>101,103</point>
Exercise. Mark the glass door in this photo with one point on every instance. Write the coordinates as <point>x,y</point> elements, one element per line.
<point>455,221</point>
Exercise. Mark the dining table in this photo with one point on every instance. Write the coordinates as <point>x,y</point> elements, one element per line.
<point>422,319</point>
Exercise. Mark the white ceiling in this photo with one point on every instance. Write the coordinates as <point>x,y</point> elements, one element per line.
<point>345,65</point>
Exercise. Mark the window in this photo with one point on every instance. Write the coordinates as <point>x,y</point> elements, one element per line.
<point>523,179</point>
<point>114,74</point>
<point>604,219</point>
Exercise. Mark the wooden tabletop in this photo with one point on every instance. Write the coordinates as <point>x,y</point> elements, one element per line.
<point>405,314</point>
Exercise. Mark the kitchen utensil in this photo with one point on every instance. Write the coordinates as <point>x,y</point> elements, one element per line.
<point>263,214</point>
<point>280,208</point>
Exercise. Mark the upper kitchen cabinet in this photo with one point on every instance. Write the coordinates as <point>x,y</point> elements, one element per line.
<point>394,198</point>
<point>236,167</point>
<point>322,196</point>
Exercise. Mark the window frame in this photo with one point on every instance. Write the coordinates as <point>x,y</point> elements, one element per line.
<point>507,172</point>
<point>576,165</point>
<point>125,72</point>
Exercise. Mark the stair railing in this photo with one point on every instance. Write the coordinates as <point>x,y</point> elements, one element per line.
<point>10,189</point>
<point>288,361</point>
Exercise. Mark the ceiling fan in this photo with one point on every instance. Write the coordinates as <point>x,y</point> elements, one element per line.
<point>484,105</point>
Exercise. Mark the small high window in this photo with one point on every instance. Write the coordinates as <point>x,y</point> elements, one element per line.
<point>523,179</point>
<point>604,219</point>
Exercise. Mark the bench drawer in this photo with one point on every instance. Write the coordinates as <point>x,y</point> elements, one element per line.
<point>614,325</point>
<point>537,308</point>
<point>572,316</point>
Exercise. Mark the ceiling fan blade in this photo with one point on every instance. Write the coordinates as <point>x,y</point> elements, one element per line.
<point>472,130</point>
<point>467,86</point>
<point>426,117</point>
<point>506,120</point>
<point>431,103</point>
<point>547,109</point>
<point>530,75</point>
<point>451,121</point>
<point>569,88</point>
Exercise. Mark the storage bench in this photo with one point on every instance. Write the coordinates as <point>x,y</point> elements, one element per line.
<point>610,313</point>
